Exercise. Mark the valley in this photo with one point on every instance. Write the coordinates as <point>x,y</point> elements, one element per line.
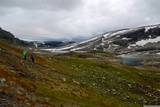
<point>75,79</point>
<point>115,69</point>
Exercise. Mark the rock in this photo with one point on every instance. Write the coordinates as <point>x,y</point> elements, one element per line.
<point>64,79</point>
<point>144,101</point>
<point>93,84</point>
<point>114,90</point>
<point>118,73</point>
<point>156,100</point>
<point>123,98</point>
<point>114,93</point>
<point>140,73</point>
<point>13,71</point>
<point>2,80</point>
<point>76,82</point>
<point>130,85</point>
<point>28,104</point>
<point>128,97</point>
<point>20,93</point>
<point>83,83</point>
<point>158,73</point>
<point>46,99</point>
<point>141,98</point>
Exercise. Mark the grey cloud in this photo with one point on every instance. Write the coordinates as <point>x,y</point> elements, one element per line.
<point>147,11</point>
<point>42,4</point>
<point>59,19</point>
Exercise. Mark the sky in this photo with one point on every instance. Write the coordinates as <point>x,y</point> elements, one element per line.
<point>69,20</point>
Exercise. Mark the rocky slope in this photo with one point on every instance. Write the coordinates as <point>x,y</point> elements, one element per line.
<point>6,36</point>
<point>17,81</point>
<point>121,41</point>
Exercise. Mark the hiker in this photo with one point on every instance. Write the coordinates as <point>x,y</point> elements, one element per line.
<point>32,57</point>
<point>25,54</point>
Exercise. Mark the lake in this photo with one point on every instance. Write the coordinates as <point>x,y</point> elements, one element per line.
<point>131,60</point>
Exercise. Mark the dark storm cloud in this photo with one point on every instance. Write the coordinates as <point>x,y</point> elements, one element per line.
<point>67,19</point>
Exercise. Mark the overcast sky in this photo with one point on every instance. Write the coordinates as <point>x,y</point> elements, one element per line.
<point>74,19</point>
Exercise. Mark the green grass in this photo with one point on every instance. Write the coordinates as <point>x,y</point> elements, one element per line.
<point>86,69</point>
<point>84,79</point>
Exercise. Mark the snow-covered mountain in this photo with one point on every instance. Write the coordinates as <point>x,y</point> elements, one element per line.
<point>48,44</point>
<point>145,38</point>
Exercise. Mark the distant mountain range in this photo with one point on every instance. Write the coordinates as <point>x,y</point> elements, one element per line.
<point>146,38</point>
<point>140,39</point>
<point>6,36</point>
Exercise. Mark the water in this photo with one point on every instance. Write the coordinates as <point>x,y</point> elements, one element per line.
<point>131,61</point>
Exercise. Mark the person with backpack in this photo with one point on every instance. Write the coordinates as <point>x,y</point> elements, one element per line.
<point>32,57</point>
<point>25,54</point>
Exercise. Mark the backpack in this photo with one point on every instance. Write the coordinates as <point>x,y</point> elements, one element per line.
<point>24,53</point>
<point>32,56</point>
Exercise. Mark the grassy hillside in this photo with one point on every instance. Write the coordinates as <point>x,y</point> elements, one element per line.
<point>74,80</point>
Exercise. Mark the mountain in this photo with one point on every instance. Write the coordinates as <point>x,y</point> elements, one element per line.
<point>49,44</point>
<point>146,38</point>
<point>6,36</point>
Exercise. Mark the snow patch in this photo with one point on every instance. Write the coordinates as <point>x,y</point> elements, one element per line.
<point>103,40</point>
<point>95,48</point>
<point>158,53</point>
<point>118,36</point>
<point>35,44</point>
<point>147,28</point>
<point>125,38</point>
<point>133,45</point>
<point>144,42</point>
<point>118,33</point>
<point>75,49</point>
<point>107,35</point>
<point>102,44</point>
<point>89,40</point>
<point>109,42</point>
<point>65,48</point>
<point>115,45</point>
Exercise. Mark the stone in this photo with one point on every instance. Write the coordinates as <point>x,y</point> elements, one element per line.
<point>2,80</point>
<point>20,93</point>
<point>114,90</point>
<point>76,82</point>
<point>93,84</point>
<point>128,97</point>
<point>130,85</point>
<point>156,100</point>
<point>64,79</point>
<point>118,73</point>
<point>144,101</point>
<point>46,99</point>
<point>158,73</point>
